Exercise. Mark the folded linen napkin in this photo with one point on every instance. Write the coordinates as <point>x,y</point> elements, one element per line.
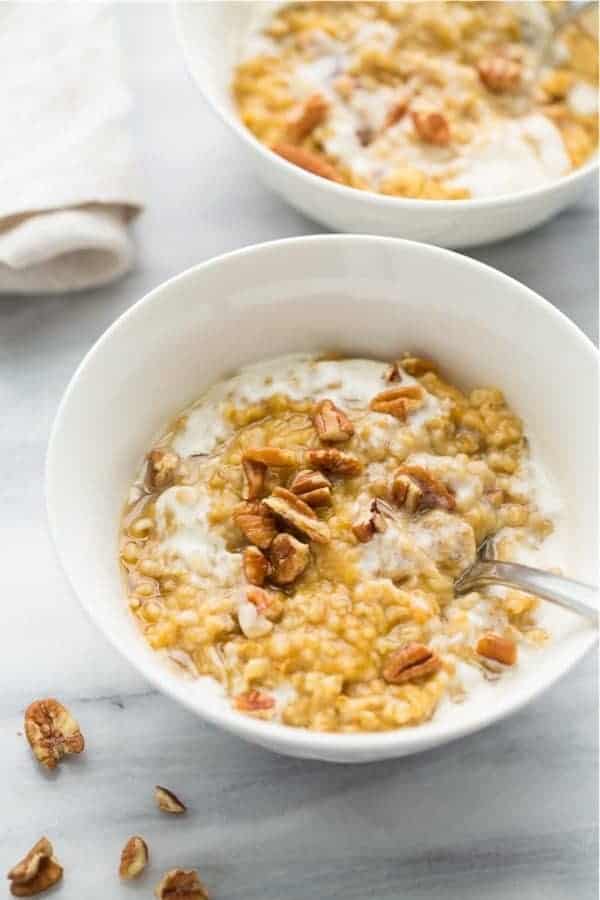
<point>68,184</point>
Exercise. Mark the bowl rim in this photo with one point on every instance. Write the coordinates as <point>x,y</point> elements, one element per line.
<point>343,191</point>
<point>399,742</point>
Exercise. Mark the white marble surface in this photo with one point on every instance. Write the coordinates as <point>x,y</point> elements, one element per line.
<point>509,813</point>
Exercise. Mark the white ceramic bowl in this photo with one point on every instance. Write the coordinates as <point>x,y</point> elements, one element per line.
<point>366,296</point>
<point>210,33</point>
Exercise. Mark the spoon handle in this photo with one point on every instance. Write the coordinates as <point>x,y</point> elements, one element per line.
<point>573,595</point>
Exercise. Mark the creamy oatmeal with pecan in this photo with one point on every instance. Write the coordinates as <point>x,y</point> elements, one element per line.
<point>296,535</point>
<point>432,100</point>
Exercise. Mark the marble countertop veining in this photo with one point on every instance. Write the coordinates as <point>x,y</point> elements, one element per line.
<point>508,813</point>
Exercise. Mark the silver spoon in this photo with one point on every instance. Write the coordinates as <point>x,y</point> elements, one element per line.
<point>573,595</point>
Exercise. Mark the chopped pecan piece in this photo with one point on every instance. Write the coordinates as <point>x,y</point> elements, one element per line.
<point>256,521</point>
<point>162,468</point>
<point>254,701</point>
<point>406,492</point>
<point>168,802</point>
<point>272,456</point>
<point>379,512</point>
<point>398,401</point>
<point>298,514</point>
<point>312,486</point>
<point>254,476</point>
<point>267,603</point>
<point>365,135</point>
<point>256,566</point>
<point>305,159</point>
<point>432,127</point>
<point>289,558</point>
<point>364,530</point>
<point>499,74</point>
<point>181,884</point>
<point>134,858</point>
<point>313,113</point>
<point>392,373</point>
<point>37,872</point>
<point>494,646</point>
<point>395,113</point>
<point>410,662</point>
<point>418,365</point>
<point>52,731</point>
<point>332,423</point>
<point>259,597</point>
<point>336,461</point>
<point>418,489</point>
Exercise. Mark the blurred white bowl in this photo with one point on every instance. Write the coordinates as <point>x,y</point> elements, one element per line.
<point>210,34</point>
<point>364,296</point>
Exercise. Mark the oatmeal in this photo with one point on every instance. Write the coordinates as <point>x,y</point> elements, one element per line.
<point>432,100</point>
<point>296,535</point>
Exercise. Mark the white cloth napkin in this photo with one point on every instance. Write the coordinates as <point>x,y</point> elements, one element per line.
<point>67,178</point>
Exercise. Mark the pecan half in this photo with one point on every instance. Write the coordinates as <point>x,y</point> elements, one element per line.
<point>410,662</point>
<point>167,801</point>
<point>432,127</point>
<point>313,113</point>
<point>29,866</point>
<point>272,456</point>
<point>499,74</point>
<point>336,461</point>
<point>49,874</point>
<point>305,159</point>
<point>181,884</point>
<point>289,558</point>
<point>254,478</point>
<point>162,468</point>
<point>418,365</point>
<point>398,401</point>
<point>36,872</point>
<point>134,858</point>
<point>494,646</point>
<point>256,566</point>
<point>417,489</point>
<point>256,521</point>
<point>376,522</point>
<point>298,514</point>
<point>52,731</point>
<point>296,502</point>
<point>332,423</point>
<point>254,701</point>
<point>312,486</point>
